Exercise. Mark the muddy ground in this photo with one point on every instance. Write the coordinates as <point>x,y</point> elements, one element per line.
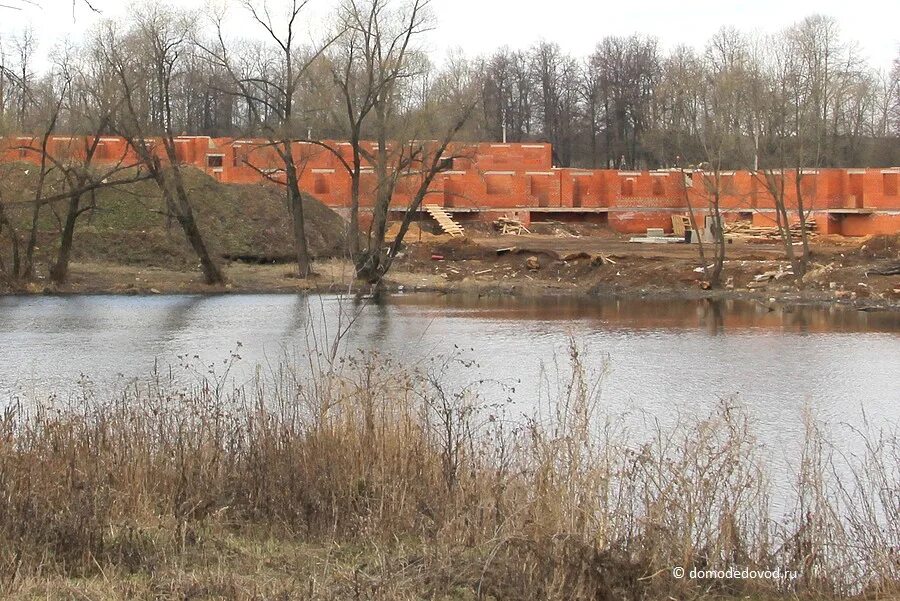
<point>562,260</point>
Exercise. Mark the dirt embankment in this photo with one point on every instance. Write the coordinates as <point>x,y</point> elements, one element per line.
<point>862,272</point>
<point>130,225</point>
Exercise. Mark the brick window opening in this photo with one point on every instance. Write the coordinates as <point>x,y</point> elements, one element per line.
<point>808,186</point>
<point>727,184</point>
<point>628,187</point>
<point>891,183</point>
<point>577,192</point>
<point>215,160</point>
<point>498,184</point>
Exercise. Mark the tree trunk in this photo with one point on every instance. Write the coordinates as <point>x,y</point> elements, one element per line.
<point>295,203</point>
<point>28,271</point>
<point>14,241</point>
<point>178,204</point>
<point>211,273</point>
<point>369,267</point>
<point>693,219</point>
<point>800,269</point>
<point>353,227</point>
<point>60,270</point>
<point>716,277</point>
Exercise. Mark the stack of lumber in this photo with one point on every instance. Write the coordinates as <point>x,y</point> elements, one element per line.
<point>746,231</point>
<point>810,224</point>
<point>513,227</point>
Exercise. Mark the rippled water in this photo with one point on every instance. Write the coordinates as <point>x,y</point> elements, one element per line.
<point>662,359</point>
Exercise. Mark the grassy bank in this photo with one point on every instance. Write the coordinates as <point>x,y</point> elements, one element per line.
<point>359,478</point>
<point>130,225</point>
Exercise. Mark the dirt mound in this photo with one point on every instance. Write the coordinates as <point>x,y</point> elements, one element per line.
<point>253,220</point>
<point>414,234</point>
<point>881,247</point>
<point>130,226</point>
<point>462,249</point>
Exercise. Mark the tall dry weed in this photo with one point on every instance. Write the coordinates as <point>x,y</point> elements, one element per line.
<point>355,449</point>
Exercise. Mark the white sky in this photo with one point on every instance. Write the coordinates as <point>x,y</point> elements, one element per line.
<point>479,26</point>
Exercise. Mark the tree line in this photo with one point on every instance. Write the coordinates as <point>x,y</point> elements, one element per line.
<point>629,104</point>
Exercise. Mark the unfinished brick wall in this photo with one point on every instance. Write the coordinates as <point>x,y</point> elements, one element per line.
<point>490,179</point>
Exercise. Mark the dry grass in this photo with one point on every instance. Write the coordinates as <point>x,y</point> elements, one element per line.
<point>362,479</point>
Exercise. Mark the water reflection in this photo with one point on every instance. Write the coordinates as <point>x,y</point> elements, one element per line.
<point>716,316</point>
<point>662,355</point>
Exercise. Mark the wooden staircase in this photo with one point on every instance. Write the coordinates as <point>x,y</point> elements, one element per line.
<point>445,221</point>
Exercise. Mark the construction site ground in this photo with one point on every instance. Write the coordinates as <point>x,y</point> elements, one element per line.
<point>597,261</point>
<point>563,260</point>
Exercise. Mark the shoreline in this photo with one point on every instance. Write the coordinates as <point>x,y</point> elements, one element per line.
<point>183,283</point>
<point>841,272</point>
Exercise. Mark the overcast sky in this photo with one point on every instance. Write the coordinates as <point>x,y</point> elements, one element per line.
<point>478,26</point>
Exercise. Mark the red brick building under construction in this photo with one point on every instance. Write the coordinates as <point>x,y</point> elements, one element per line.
<point>484,181</point>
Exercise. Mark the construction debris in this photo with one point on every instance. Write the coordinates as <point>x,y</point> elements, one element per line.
<point>681,224</point>
<point>512,227</point>
<point>774,274</point>
<point>656,240</point>
<point>817,273</point>
<point>747,232</point>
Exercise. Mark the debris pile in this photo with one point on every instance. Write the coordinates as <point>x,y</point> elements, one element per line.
<point>747,232</point>
<point>507,226</point>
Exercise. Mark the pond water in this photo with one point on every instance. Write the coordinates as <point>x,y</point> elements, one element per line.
<point>661,359</point>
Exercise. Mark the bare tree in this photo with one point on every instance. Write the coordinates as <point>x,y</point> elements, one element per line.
<point>723,116</point>
<point>382,85</point>
<point>20,4</point>
<point>366,69</point>
<point>45,167</point>
<point>785,145</point>
<point>25,49</point>
<point>892,99</point>
<point>96,100</point>
<point>275,91</point>
<point>150,56</point>
<point>66,173</point>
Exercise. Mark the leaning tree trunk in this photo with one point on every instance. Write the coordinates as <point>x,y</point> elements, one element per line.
<point>295,203</point>
<point>179,204</point>
<point>369,266</point>
<point>211,272</point>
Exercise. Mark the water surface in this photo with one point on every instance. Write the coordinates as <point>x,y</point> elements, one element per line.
<point>660,359</point>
